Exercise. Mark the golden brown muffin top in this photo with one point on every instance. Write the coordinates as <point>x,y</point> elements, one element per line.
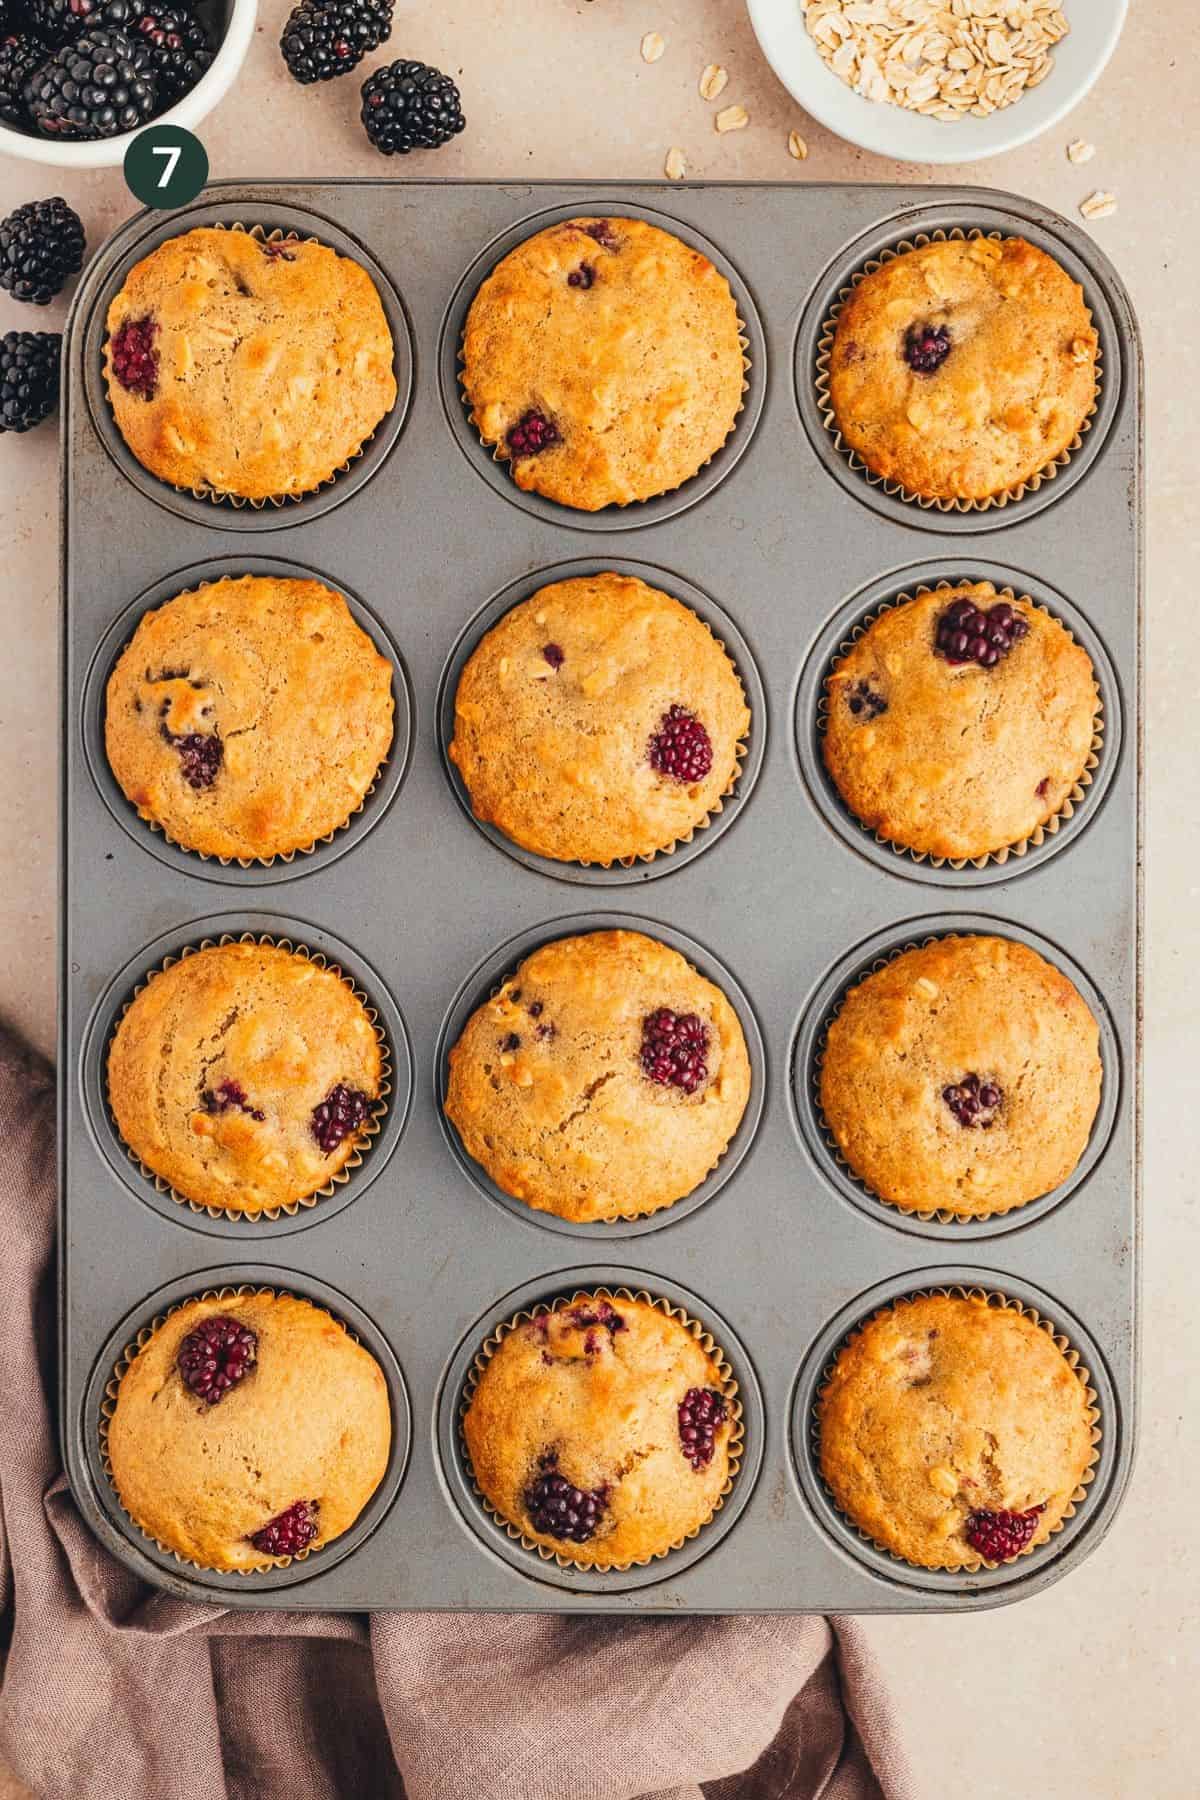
<point>598,721</point>
<point>249,717</point>
<point>245,1075</point>
<point>602,1430</point>
<point>954,1431</point>
<point>605,1078</point>
<point>963,1076</point>
<point>255,1415</point>
<point>247,367</point>
<point>949,756</point>
<point>960,369</point>
<point>603,358</point>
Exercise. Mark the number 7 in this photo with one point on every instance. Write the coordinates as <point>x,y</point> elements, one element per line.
<point>172,152</point>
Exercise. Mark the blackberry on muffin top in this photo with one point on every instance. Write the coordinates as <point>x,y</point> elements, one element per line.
<point>603,359</point>
<point>602,1430</point>
<point>960,721</point>
<point>598,721</point>
<point>963,1075</point>
<point>960,369</point>
<point>604,1079</point>
<point>954,1432</point>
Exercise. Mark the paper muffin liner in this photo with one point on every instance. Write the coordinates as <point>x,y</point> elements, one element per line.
<point>221,496</point>
<point>108,1407</point>
<point>368,1131</point>
<point>629,1218</point>
<point>728,1386</point>
<point>895,489</point>
<point>278,856</point>
<point>1020,846</point>
<point>1002,1302</point>
<point>941,1215</point>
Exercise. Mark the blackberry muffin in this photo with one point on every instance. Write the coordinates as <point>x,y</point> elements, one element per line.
<point>248,1429</point>
<point>954,1432</point>
<point>246,367</point>
<point>962,1076</point>
<point>599,721</point>
<point>245,1076</point>
<point>604,1080</point>
<point>603,360</point>
<point>960,722</point>
<point>602,1431</point>
<point>960,369</point>
<point>249,718</point>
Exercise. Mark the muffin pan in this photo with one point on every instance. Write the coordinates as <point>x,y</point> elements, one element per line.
<point>782,548</point>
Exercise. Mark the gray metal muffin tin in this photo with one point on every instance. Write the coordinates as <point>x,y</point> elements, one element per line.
<point>780,545</point>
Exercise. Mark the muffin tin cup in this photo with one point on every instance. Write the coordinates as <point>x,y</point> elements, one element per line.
<point>812,713</point>
<point>102,1399</point>
<point>153,836</point>
<point>1082,1355</point>
<point>376,1140</point>
<point>505,1536</point>
<point>490,461</point>
<point>750,750</point>
<point>486,982</point>
<point>236,511</point>
<point>809,1051</point>
<point>1048,483</point>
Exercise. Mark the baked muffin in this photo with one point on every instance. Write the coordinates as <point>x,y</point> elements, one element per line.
<point>248,1429</point>
<point>601,1430</point>
<point>238,366</point>
<point>245,1075</point>
<point>962,1076</point>
<point>603,359</point>
<point>960,722</point>
<point>249,718</point>
<point>961,369</point>
<point>604,1080</point>
<point>599,721</point>
<point>954,1432</point>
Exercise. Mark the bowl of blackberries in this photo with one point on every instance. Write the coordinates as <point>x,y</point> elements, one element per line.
<point>79,78</point>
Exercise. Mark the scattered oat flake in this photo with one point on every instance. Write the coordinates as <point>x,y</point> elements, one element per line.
<point>712,81</point>
<point>1080,151</point>
<point>653,45</point>
<point>675,167</point>
<point>732,118</point>
<point>797,146</point>
<point>1099,205</point>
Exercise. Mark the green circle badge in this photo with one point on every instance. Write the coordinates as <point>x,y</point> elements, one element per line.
<point>165,166</point>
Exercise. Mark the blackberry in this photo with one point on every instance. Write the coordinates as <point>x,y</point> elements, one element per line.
<point>226,1097</point>
<point>926,348</point>
<point>558,1509</point>
<point>216,1356</point>
<point>999,1536</point>
<point>179,49</point>
<point>20,60</point>
<point>41,245</point>
<point>200,756</point>
<point>681,748</point>
<point>700,1412</point>
<point>289,1532</point>
<point>344,1110</point>
<point>29,369</point>
<point>324,38</point>
<point>410,106</point>
<point>674,1046</point>
<point>59,22</point>
<point>966,633</point>
<point>532,433</point>
<point>97,87</point>
<point>134,358</point>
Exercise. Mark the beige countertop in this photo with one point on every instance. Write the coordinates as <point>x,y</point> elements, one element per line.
<point>1090,1688</point>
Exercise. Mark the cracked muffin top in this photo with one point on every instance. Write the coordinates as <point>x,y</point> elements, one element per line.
<point>598,721</point>
<point>960,369</point>
<point>954,1432</point>
<point>603,359</point>
<point>244,1075</point>
<point>601,1430</point>
<point>604,1079</point>
<point>962,1076</point>
<point>249,717</point>
<point>245,367</point>
<point>960,722</point>
<point>249,1428</point>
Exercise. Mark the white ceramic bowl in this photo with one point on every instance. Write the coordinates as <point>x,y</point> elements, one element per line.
<point>909,137</point>
<point>233,25</point>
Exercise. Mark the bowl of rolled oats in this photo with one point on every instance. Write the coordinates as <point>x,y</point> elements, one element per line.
<point>938,81</point>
